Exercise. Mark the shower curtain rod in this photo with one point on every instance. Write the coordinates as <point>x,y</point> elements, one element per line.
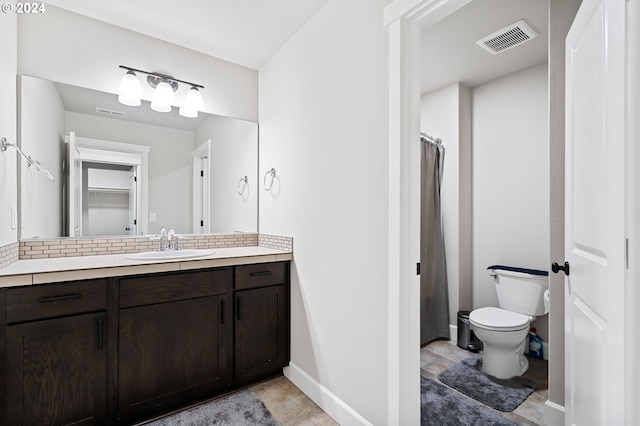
<point>431,139</point>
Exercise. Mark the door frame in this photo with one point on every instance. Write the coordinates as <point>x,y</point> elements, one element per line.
<point>404,20</point>
<point>103,151</point>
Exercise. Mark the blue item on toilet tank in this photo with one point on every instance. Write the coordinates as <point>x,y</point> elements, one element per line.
<point>535,345</point>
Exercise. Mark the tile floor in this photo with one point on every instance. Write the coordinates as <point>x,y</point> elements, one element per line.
<point>440,355</point>
<point>291,407</point>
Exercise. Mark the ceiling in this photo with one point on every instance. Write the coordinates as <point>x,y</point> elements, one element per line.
<point>249,32</point>
<point>450,53</point>
<point>245,32</point>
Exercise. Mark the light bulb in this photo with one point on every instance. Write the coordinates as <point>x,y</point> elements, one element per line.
<point>130,91</point>
<point>163,97</point>
<point>193,103</point>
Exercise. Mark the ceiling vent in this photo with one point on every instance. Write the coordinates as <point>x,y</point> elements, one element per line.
<point>110,112</point>
<point>508,37</point>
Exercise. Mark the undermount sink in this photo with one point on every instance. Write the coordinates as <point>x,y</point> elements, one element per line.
<point>169,254</point>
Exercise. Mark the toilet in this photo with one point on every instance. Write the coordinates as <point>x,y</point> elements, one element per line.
<point>503,330</point>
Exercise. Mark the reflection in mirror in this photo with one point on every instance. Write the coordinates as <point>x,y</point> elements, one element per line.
<point>191,182</point>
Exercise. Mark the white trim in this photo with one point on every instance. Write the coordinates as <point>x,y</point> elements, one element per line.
<point>404,20</point>
<point>553,414</point>
<point>453,332</point>
<point>340,411</point>
<point>421,12</point>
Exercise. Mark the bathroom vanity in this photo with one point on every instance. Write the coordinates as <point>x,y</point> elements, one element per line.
<point>130,345</point>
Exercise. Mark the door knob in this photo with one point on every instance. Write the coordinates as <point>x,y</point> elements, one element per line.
<point>557,268</point>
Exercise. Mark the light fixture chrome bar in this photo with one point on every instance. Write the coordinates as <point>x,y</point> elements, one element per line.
<point>161,76</point>
<point>4,144</point>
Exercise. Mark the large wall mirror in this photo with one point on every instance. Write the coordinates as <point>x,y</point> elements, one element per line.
<point>123,170</point>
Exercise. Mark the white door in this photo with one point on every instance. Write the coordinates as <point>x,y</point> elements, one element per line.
<point>594,215</point>
<point>200,184</point>
<point>74,188</point>
<point>132,228</point>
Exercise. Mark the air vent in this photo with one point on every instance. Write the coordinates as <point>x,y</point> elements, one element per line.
<point>110,112</point>
<point>508,37</point>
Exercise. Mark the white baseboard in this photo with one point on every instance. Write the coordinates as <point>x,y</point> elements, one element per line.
<point>453,333</point>
<point>553,414</point>
<point>329,402</point>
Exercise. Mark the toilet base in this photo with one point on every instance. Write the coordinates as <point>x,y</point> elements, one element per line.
<point>502,363</point>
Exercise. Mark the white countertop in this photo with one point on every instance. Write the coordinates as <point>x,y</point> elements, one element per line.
<point>39,271</point>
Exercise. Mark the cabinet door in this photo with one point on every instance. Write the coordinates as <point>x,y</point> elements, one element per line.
<point>261,332</point>
<point>56,371</point>
<point>171,352</point>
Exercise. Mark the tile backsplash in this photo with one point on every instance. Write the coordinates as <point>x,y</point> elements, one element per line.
<point>42,249</point>
<point>9,254</point>
<point>277,242</point>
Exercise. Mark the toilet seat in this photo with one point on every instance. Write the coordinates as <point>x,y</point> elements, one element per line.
<point>500,320</point>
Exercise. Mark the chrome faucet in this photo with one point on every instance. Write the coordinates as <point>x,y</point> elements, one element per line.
<point>164,239</point>
<point>168,240</point>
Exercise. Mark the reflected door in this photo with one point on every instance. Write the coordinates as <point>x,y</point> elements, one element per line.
<point>74,188</point>
<point>132,229</point>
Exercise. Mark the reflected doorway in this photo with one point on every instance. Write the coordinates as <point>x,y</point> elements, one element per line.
<point>107,186</point>
<point>109,199</point>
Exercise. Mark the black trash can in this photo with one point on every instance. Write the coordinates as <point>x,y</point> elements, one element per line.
<point>466,339</point>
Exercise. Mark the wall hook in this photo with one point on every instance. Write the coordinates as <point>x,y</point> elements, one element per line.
<point>271,173</point>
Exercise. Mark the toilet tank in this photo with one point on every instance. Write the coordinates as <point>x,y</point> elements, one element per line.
<point>520,289</point>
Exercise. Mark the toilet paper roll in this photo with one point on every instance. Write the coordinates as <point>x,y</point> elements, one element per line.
<point>547,301</point>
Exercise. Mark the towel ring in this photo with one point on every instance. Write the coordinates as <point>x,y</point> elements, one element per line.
<point>244,181</point>
<point>271,173</point>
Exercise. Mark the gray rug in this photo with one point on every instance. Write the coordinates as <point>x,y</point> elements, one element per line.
<point>240,409</point>
<point>441,405</point>
<point>501,394</point>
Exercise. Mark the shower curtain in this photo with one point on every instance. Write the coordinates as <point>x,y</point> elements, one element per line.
<point>434,298</point>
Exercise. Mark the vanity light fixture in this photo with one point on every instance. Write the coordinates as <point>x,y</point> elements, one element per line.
<point>164,95</point>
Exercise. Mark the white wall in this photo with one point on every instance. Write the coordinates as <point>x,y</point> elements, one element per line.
<point>234,154</point>
<point>510,179</point>
<point>69,48</point>
<point>323,127</point>
<point>42,118</point>
<point>446,114</point>
<point>8,172</point>
<point>169,163</point>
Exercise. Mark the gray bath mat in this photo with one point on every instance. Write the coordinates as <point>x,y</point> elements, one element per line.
<point>501,394</point>
<point>441,405</point>
<point>240,409</point>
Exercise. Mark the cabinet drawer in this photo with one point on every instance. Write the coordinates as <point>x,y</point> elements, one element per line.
<point>161,288</point>
<point>51,300</point>
<point>260,275</point>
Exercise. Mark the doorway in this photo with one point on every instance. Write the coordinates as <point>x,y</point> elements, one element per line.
<point>405,23</point>
<point>110,202</point>
<point>107,187</point>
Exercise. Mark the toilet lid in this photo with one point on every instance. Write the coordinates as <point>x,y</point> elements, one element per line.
<point>496,318</point>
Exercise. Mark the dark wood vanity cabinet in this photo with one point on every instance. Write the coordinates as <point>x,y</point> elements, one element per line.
<point>174,339</point>
<point>261,300</point>
<point>126,349</point>
<point>56,357</point>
